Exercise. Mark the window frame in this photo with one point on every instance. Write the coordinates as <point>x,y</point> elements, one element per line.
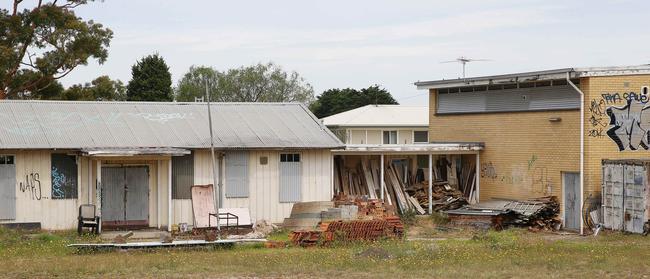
<point>75,194</point>
<point>420,142</point>
<point>390,132</point>
<point>4,156</point>
<point>175,192</point>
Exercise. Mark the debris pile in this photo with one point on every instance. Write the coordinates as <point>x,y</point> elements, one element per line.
<point>306,215</point>
<point>405,186</point>
<point>536,214</point>
<point>357,230</point>
<point>444,197</point>
<point>261,229</point>
<point>352,218</point>
<point>366,208</point>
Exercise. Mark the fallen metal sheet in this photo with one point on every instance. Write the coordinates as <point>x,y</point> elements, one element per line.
<point>242,212</point>
<point>157,244</point>
<point>522,207</point>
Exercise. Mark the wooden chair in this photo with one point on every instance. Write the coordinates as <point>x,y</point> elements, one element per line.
<point>88,218</point>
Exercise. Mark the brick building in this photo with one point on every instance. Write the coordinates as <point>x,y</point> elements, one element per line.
<point>541,130</point>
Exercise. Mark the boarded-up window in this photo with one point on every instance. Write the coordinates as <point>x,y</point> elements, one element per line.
<point>64,176</point>
<point>236,174</point>
<point>420,136</point>
<point>182,176</point>
<point>290,178</point>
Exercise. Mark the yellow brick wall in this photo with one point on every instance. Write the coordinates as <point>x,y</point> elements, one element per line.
<point>525,154</point>
<point>598,145</point>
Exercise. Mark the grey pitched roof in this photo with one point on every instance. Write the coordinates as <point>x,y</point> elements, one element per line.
<point>76,125</point>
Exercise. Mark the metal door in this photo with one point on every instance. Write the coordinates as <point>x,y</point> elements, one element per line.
<point>8,189</point>
<point>572,199</point>
<point>633,202</point>
<point>113,184</point>
<point>613,196</point>
<point>137,195</point>
<point>125,199</point>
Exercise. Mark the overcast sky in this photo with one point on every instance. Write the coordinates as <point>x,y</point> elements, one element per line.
<point>336,44</point>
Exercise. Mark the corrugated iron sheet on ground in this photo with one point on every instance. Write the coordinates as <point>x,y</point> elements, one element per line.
<point>73,125</point>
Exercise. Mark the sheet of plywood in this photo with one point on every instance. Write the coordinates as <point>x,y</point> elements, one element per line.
<point>203,205</point>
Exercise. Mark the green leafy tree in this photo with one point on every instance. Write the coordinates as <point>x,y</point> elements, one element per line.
<point>45,42</point>
<point>257,83</point>
<point>192,84</point>
<point>336,100</point>
<point>100,89</point>
<point>151,81</point>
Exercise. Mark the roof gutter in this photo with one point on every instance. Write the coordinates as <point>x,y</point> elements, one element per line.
<point>582,148</point>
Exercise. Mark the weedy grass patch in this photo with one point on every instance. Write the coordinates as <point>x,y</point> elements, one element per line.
<point>509,253</point>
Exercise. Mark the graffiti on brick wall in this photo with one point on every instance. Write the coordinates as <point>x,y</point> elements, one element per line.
<point>621,117</point>
<point>598,118</point>
<point>488,171</point>
<point>630,125</point>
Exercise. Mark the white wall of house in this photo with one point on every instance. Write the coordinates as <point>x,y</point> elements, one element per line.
<point>34,201</point>
<point>35,204</point>
<point>263,200</point>
<point>374,135</point>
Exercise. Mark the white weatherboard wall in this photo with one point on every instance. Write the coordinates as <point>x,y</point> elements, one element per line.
<point>34,201</point>
<point>264,184</point>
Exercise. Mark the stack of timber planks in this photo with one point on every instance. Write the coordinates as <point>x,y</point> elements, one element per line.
<point>444,196</point>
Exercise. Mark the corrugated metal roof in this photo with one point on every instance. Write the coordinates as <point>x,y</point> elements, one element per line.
<point>92,125</point>
<point>535,76</point>
<point>381,116</point>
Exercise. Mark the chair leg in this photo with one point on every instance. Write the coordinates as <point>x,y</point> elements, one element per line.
<point>79,228</point>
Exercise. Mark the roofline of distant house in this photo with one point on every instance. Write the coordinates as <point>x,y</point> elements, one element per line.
<point>555,74</point>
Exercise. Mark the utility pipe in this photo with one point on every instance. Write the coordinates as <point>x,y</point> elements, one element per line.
<point>582,148</point>
<point>214,164</point>
<point>381,176</point>
<point>430,183</point>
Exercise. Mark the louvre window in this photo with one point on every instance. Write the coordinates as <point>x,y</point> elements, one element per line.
<point>528,97</point>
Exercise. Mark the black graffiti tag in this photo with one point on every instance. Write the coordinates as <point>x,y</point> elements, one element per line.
<point>32,185</point>
<point>597,107</point>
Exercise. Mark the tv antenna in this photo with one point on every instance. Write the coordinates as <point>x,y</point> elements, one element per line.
<point>464,60</point>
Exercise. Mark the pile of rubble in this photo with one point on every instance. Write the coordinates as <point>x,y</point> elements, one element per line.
<point>536,214</point>
<point>356,230</point>
<point>353,218</point>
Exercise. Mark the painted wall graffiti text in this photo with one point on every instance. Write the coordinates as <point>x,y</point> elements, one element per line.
<point>629,125</point>
<point>488,171</point>
<point>622,118</point>
<point>32,185</point>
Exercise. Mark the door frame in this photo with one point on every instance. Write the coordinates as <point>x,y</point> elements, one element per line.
<point>126,223</point>
<point>563,207</point>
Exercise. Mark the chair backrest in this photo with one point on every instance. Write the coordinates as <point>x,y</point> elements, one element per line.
<point>87,211</point>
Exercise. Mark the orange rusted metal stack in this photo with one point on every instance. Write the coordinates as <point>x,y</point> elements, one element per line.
<point>357,230</point>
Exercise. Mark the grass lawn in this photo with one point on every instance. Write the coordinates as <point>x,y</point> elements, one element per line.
<point>511,253</point>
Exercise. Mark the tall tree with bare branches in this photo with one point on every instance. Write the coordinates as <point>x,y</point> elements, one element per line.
<point>42,43</point>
